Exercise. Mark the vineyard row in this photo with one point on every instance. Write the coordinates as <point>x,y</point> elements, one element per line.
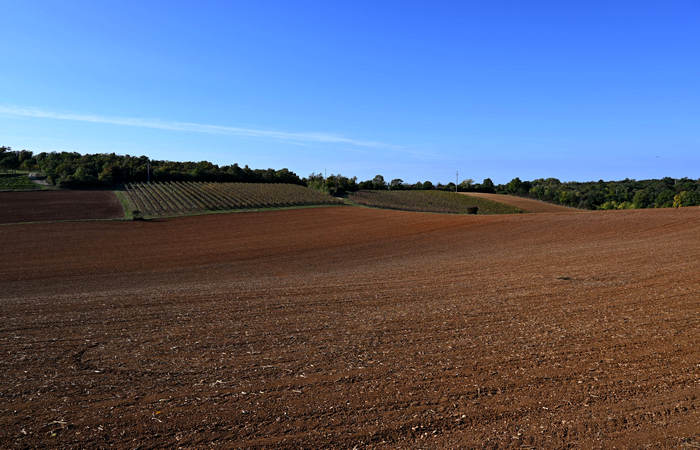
<point>182,197</point>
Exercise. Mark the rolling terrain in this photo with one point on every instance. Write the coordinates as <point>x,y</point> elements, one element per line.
<point>430,201</point>
<point>525,204</point>
<point>353,326</point>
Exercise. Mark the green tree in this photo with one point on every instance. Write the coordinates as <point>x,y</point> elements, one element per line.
<point>9,160</point>
<point>686,198</point>
<point>314,181</point>
<point>378,182</point>
<point>515,186</point>
<point>3,153</point>
<point>108,175</point>
<point>466,185</point>
<point>396,183</point>
<point>643,198</point>
<point>487,186</point>
<point>664,199</point>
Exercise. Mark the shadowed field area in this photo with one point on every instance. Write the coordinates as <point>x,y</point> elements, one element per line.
<point>352,326</point>
<point>58,205</point>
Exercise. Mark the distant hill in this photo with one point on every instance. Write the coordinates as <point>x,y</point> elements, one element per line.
<point>527,205</point>
<point>431,201</point>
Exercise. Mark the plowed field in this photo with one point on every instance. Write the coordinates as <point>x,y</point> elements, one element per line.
<point>526,204</point>
<point>58,205</point>
<point>353,326</point>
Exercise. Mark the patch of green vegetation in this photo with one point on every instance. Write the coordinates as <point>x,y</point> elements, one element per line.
<point>16,182</point>
<point>126,205</point>
<point>430,201</point>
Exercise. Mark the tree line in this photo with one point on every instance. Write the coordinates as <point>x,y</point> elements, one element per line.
<point>74,170</point>
<point>340,185</point>
<point>624,194</point>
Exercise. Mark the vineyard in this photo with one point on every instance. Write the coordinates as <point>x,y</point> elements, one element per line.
<point>175,198</point>
<point>16,182</point>
<point>431,201</point>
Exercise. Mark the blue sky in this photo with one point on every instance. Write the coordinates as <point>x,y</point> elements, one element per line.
<point>411,90</point>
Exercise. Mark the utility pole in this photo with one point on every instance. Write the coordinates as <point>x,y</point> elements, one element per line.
<point>457,182</point>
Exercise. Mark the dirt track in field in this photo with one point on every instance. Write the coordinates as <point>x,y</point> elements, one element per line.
<point>353,326</point>
<point>35,206</point>
<point>526,204</point>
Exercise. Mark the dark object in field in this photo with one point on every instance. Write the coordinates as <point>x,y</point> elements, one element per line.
<point>472,210</point>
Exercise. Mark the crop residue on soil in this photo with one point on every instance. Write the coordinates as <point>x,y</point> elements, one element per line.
<point>353,326</point>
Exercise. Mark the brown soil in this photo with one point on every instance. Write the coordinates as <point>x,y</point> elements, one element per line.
<point>526,204</point>
<point>58,205</point>
<point>353,326</point>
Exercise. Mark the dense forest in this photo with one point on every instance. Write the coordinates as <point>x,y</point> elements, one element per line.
<point>625,194</point>
<point>73,170</point>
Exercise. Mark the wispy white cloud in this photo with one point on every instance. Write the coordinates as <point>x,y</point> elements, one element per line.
<point>287,136</point>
